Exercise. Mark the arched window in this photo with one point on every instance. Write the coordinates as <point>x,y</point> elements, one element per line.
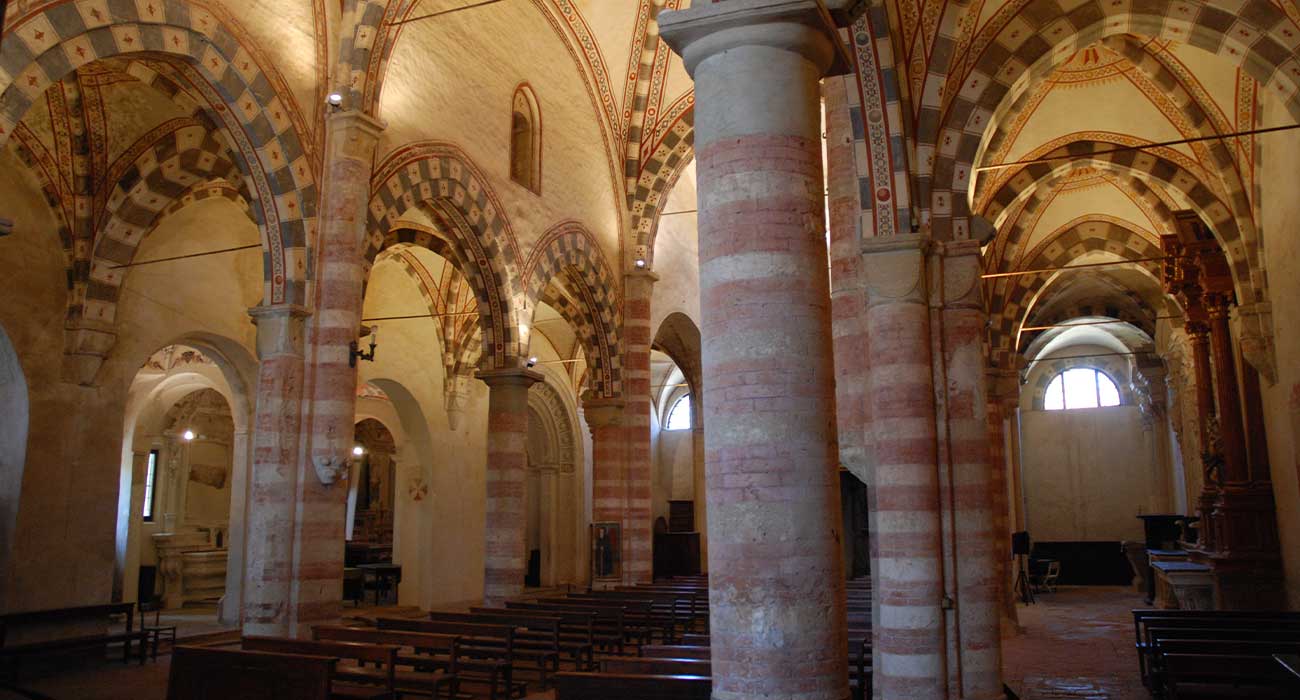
<point>1082,387</point>
<point>679,416</point>
<point>526,140</point>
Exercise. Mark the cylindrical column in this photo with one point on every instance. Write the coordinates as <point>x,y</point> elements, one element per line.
<point>976,547</point>
<point>1198,334</point>
<point>505,559</point>
<point>700,484</point>
<point>909,643</point>
<point>776,580</point>
<point>1235,469</point>
<point>272,480</point>
<point>638,536</point>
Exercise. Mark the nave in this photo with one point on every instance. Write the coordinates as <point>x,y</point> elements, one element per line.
<point>320,314</point>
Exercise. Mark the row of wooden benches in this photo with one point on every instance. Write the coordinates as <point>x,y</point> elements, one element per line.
<point>1191,653</point>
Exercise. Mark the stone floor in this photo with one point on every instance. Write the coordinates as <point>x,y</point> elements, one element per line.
<point>1077,644</point>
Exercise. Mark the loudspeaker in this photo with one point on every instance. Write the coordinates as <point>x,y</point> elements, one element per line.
<point>1020,542</point>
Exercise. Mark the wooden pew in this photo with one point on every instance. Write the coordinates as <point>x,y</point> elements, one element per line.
<point>650,666</point>
<point>10,654</point>
<point>487,651</point>
<point>674,651</point>
<point>1189,676</point>
<point>609,629</point>
<point>1146,620</point>
<point>204,673</point>
<point>384,656</point>
<point>628,686</point>
<point>535,630</point>
<point>429,668</point>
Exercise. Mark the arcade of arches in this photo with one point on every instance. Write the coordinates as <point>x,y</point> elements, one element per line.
<point>776,291</point>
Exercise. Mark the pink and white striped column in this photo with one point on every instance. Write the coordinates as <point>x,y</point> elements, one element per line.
<point>638,537</point>
<point>775,574</point>
<point>967,473</point>
<point>909,641</point>
<point>604,418</point>
<point>296,520</point>
<point>505,556</point>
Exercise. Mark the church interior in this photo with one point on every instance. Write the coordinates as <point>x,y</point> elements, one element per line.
<point>576,349</point>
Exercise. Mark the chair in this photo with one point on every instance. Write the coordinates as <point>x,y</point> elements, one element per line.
<point>157,630</point>
<point>1048,580</point>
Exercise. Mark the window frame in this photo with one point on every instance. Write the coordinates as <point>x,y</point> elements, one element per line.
<point>690,408</point>
<point>150,487</point>
<point>1097,375</point>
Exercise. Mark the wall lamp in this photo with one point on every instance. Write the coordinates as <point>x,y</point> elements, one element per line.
<point>358,353</point>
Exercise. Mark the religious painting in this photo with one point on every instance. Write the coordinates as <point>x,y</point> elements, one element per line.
<point>606,551</point>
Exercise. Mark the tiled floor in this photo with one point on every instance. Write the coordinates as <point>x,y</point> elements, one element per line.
<point>1077,644</point>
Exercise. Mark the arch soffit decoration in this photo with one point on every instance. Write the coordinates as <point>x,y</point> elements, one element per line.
<point>568,253</point>
<point>1026,46</point>
<point>473,233</point>
<point>45,46</point>
<point>1016,297</point>
<point>1154,167</point>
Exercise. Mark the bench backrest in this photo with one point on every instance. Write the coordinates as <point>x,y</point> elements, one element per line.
<point>655,666</point>
<point>1223,668</point>
<point>371,652</point>
<point>1244,647</point>
<point>200,673</point>
<point>627,686</point>
<point>460,629</point>
<point>532,622</point>
<point>674,651</point>
<point>420,641</point>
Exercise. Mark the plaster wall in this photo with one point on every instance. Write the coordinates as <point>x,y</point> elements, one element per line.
<point>1280,218</point>
<point>676,255</point>
<point>1087,474</point>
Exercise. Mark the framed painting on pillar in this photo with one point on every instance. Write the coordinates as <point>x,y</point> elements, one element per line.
<point>606,551</point>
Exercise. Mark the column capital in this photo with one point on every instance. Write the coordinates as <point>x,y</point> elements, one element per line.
<point>511,376</point>
<point>355,119</point>
<point>799,26</point>
<point>893,268</point>
<point>641,274</point>
<point>279,329</point>
<point>602,412</point>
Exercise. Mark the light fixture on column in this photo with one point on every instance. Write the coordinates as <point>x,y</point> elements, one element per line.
<point>532,362</point>
<point>640,263</point>
<point>358,353</point>
<point>335,101</point>
<point>358,450</point>
<point>188,435</point>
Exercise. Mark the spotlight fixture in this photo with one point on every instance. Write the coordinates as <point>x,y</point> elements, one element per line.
<point>335,100</point>
<point>358,353</point>
<point>640,262</point>
<point>531,362</point>
<point>188,435</point>
<point>358,450</point>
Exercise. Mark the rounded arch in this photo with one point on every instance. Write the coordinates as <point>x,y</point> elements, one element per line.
<point>570,255</point>
<point>14,416</point>
<point>1107,367</point>
<point>673,151</point>
<point>175,159</point>
<point>46,45</point>
<point>473,233</point>
<point>1235,234</point>
<point>1023,47</point>
<point>1015,297</point>
<point>526,138</point>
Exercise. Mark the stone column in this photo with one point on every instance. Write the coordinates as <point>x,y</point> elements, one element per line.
<point>1004,399</point>
<point>549,503</point>
<point>273,477</point>
<point>909,646</point>
<point>700,484</point>
<point>604,418</point>
<point>505,558</point>
<point>638,535</point>
<point>963,416</point>
<point>776,578</point>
